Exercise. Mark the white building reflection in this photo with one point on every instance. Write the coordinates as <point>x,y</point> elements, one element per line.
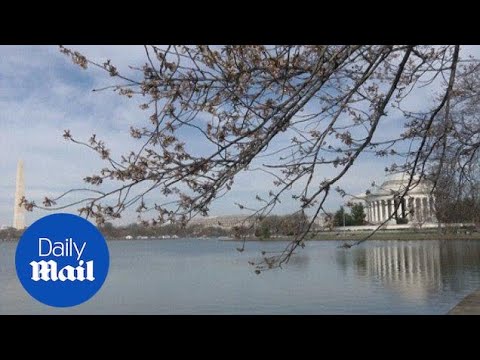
<point>416,269</point>
<point>413,269</point>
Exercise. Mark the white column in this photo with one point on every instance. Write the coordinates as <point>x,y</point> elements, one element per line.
<point>382,210</point>
<point>427,208</point>
<point>415,208</point>
<point>430,209</point>
<point>422,210</point>
<point>375,209</point>
<point>434,213</point>
<point>378,210</point>
<point>422,214</point>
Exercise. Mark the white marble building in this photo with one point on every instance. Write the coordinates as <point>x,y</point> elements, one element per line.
<point>380,201</point>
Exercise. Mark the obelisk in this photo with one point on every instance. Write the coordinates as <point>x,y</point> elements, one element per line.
<point>19,211</point>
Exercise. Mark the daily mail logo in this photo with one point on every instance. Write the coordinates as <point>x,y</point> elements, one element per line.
<point>62,260</point>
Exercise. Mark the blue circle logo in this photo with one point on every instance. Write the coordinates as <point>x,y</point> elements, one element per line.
<point>62,260</point>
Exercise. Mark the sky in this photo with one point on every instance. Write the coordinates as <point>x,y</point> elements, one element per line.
<point>42,93</point>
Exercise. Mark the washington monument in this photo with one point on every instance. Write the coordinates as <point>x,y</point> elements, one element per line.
<point>19,211</point>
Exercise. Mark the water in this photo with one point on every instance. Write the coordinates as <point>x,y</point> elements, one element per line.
<point>188,276</point>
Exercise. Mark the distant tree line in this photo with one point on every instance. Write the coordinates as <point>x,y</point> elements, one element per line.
<point>276,225</point>
<point>264,228</point>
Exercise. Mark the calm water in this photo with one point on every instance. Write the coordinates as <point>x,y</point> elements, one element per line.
<point>211,277</point>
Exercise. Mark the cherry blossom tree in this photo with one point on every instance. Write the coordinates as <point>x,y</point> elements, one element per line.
<point>330,100</point>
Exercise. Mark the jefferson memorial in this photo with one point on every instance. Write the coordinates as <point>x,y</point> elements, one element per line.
<point>417,207</point>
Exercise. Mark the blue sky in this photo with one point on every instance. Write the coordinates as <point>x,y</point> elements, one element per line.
<point>42,93</point>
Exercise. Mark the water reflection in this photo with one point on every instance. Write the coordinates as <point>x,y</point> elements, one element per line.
<point>188,276</point>
<point>416,270</point>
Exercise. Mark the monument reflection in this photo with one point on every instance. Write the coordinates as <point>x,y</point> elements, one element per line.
<point>416,268</point>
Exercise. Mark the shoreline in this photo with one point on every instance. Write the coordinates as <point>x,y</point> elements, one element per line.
<point>330,236</point>
<point>469,305</point>
<point>374,237</point>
